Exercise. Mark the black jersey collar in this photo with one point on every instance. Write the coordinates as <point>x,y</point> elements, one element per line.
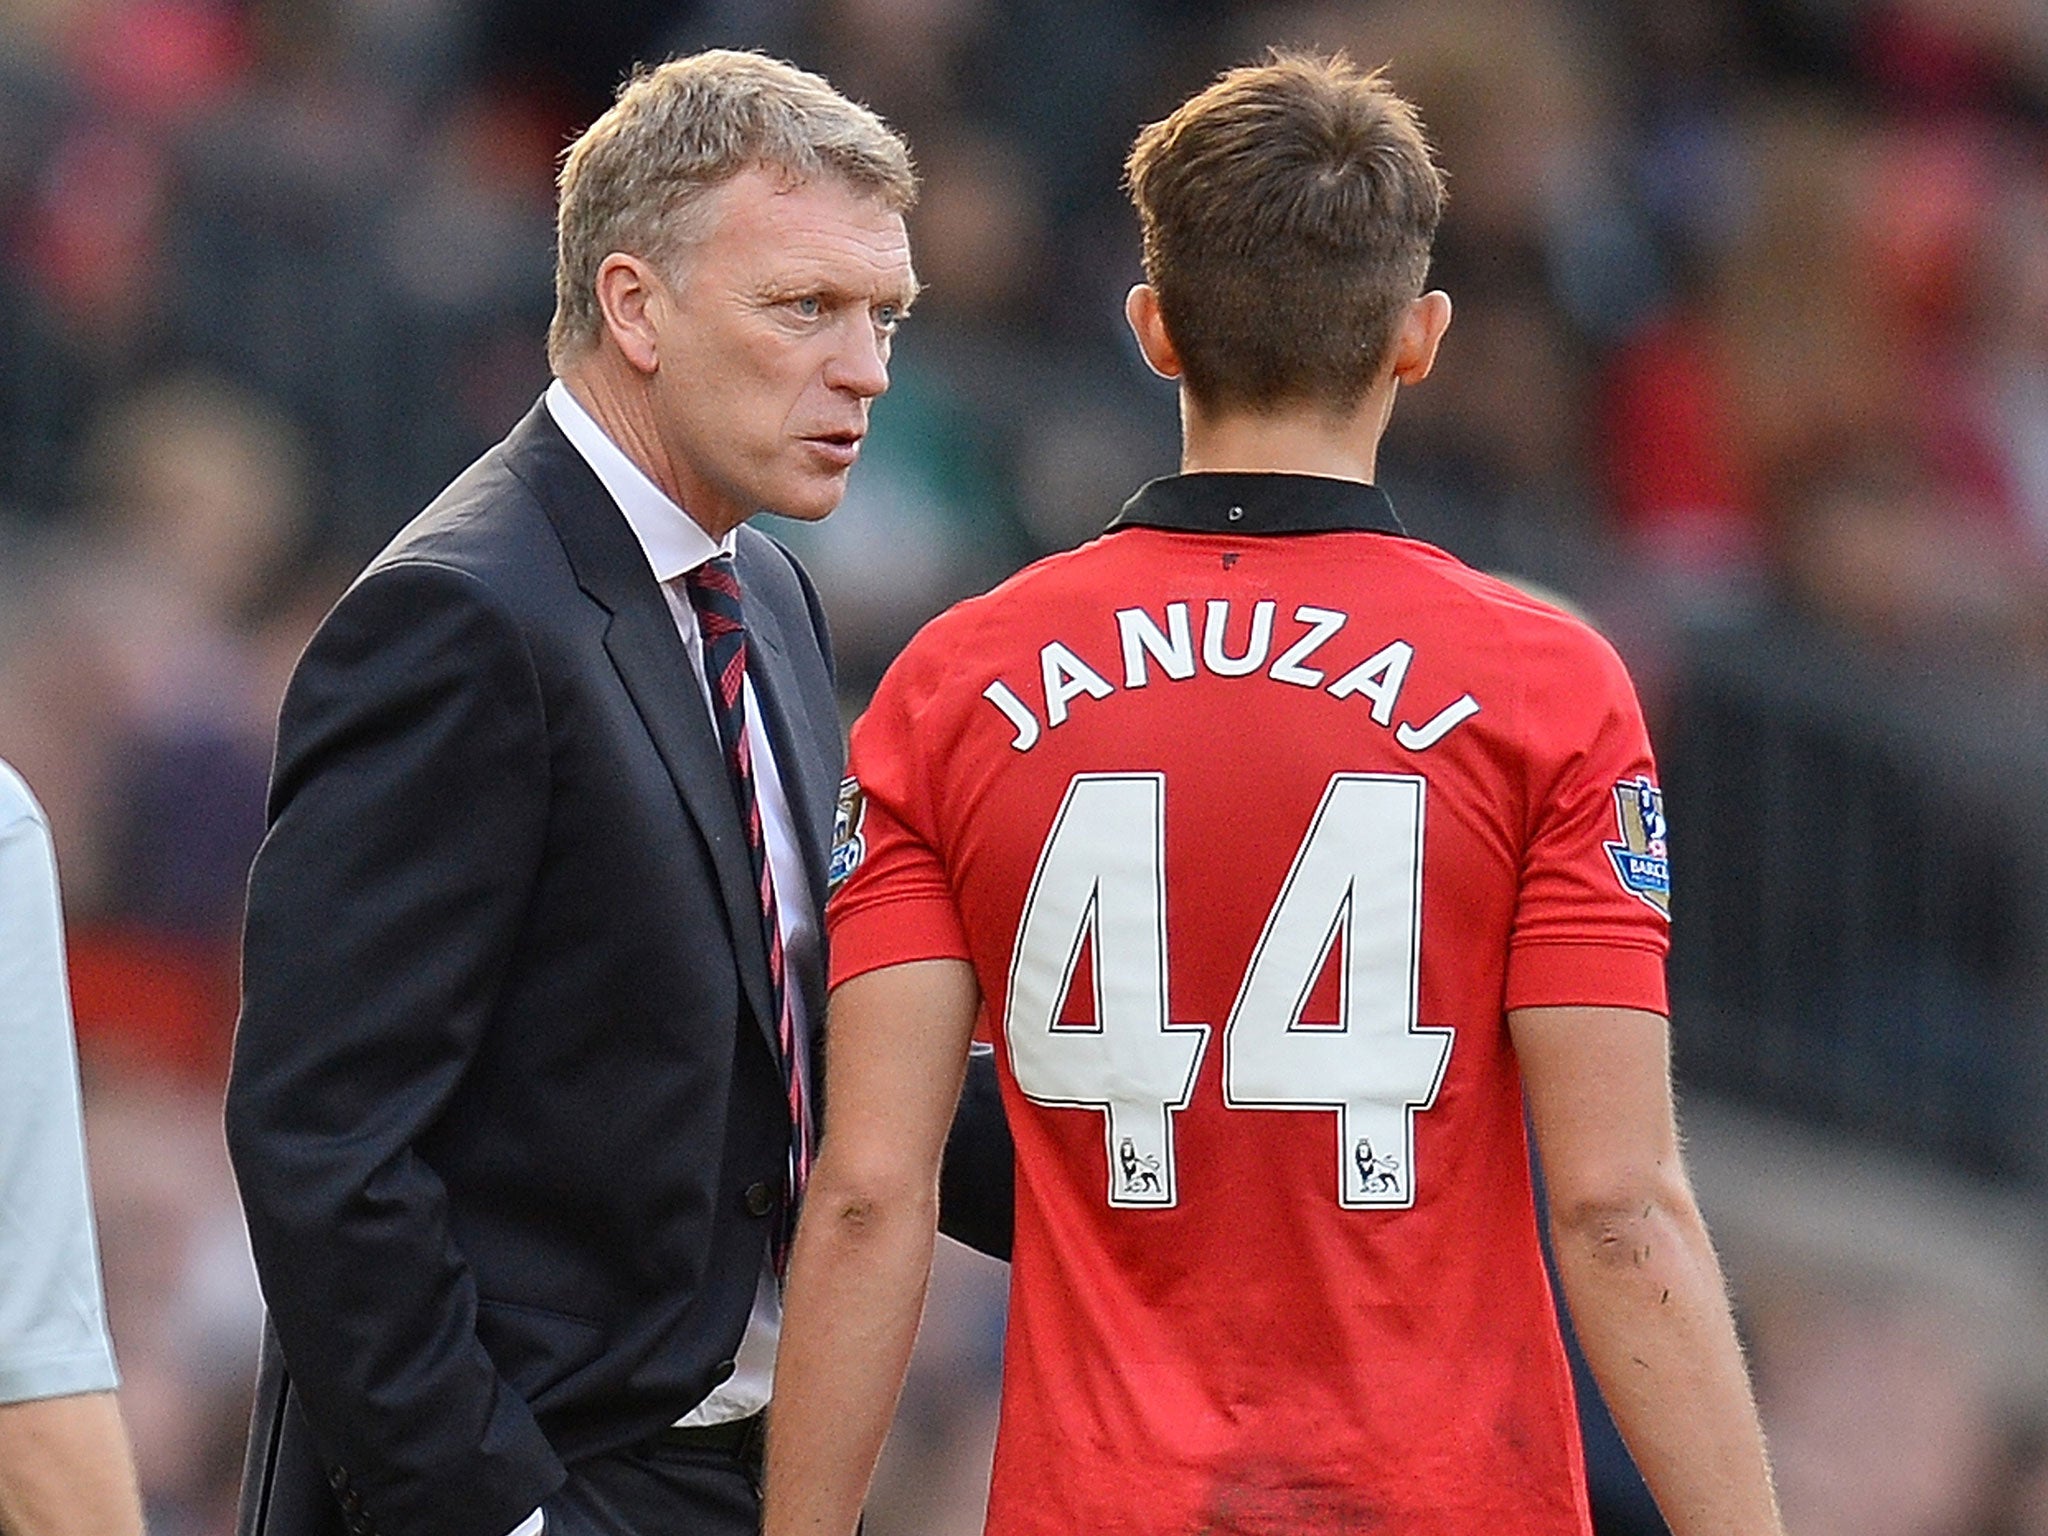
<point>1218,502</point>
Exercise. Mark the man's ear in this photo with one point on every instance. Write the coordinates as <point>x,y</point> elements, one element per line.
<point>1141,309</point>
<point>628,293</point>
<point>1422,331</point>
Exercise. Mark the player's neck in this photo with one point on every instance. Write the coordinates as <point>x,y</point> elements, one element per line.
<point>1299,441</point>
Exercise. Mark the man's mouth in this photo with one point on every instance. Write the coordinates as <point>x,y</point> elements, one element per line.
<point>841,448</point>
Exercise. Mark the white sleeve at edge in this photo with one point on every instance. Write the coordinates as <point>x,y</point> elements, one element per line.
<point>53,1325</point>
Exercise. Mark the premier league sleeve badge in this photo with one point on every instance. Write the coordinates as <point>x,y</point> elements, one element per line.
<point>848,846</point>
<point>1642,862</point>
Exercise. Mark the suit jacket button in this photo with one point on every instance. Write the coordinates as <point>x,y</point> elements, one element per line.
<point>759,1199</point>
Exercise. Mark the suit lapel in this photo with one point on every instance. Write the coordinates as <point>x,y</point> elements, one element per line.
<point>655,668</point>
<point>648,654</point>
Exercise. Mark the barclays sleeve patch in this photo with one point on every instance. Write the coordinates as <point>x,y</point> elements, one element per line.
<point>1642,861</point>
<point>849,847</point>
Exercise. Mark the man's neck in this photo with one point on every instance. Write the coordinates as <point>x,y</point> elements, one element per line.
<point>1295,440</point>
<point>621,405</point>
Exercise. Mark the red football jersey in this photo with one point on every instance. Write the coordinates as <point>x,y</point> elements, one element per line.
<point>1254,818</point>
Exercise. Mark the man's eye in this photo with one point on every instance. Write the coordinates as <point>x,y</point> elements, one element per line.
<point>888,317</point>
<point>810,306</point>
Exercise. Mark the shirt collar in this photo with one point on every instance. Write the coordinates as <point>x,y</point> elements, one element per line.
<point>674,542</point>
<point>1233,502</point>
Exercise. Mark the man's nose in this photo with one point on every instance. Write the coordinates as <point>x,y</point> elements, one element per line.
<point>861,364</point>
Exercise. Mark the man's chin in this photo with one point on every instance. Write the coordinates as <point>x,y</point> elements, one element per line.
<point>812,501</point>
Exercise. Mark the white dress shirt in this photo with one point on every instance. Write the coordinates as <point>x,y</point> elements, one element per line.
<point>676,544</point>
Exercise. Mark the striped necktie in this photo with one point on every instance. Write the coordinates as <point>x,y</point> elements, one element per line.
<point>714,590</point>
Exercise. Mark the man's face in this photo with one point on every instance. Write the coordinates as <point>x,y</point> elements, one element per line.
<point>773,336</point>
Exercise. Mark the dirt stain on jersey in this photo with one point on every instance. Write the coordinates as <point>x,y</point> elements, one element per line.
<point>1272,1499</point>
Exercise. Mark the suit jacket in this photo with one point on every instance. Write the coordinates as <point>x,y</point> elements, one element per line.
<point>505,1107</point>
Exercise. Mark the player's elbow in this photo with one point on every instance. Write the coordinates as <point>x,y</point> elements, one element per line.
<point>1619,1219</point>
<point>858,1198</point>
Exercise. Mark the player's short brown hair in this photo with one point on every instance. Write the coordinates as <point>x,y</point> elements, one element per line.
<point>1287,211</point>
<point>680,130</point>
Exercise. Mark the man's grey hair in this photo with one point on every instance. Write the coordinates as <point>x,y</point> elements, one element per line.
<point>678,131</point>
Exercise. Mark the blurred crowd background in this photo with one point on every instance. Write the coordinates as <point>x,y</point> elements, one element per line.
<point>1750,363</point>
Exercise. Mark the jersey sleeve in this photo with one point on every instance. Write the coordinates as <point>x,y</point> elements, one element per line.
<point>891,901</point>
<point>1592,921</point>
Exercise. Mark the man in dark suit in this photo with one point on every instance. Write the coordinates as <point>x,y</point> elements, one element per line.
<point>525,1081</point>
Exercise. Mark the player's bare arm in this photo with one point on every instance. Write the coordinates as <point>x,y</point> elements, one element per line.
<point>897,1052</point>
<point>65,1468</point>
<point>1637,1269</point>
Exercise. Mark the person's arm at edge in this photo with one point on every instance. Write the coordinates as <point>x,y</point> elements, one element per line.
<point>896,1051</point>
<point>1644,1287</point>
<point>65,1464</point>
<point>65,1468</point>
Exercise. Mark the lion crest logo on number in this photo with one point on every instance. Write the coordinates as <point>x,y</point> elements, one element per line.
<point>848,846</point>
<point>1642,862</point>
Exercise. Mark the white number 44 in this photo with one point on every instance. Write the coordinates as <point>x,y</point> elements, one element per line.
<point>1356,886</point>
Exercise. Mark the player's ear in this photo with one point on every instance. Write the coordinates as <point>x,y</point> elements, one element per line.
<point>1141,309</point>
<point>1422,331</point>
<point>628,297</point>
